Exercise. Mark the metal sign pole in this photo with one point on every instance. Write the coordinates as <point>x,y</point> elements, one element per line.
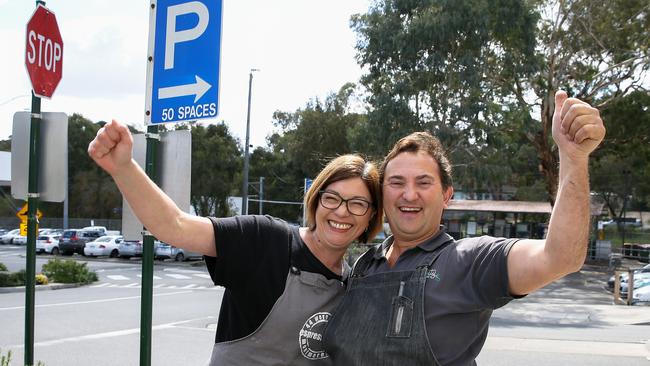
<point>32,222</point>
<point>146,300</point>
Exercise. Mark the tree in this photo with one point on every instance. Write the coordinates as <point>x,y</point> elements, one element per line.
<point>465,69</point>
<point>216,162</point>
<point>92,192</point>
<point>620,171</point>
<point>309,138</point>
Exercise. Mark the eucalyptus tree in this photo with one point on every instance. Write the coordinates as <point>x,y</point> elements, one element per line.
<point>620,170</point>
<point>469,69</point>
<point>216,165</point>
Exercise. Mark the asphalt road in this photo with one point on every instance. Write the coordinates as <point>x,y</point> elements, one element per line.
<point>571,322</point>
<point>99,324</point>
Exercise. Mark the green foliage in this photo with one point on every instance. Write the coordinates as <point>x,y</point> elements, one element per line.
<point>92,192</point>
<point>620,167</point>
<point>68,271</point>
<point>12,279</point>
<point>5,360</point>
<point>311,136</point>
<point>481,75</point>
<point>3,267</point>
<point>216,163</point>
<point>5,145</point>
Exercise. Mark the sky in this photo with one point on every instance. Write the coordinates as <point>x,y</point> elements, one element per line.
<point>303,48</point>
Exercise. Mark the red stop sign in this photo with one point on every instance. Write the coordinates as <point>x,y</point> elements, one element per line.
<point>44,52</point>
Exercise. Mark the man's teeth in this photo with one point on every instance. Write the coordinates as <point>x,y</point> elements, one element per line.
<point>409,209</point>
<point>337,225</point>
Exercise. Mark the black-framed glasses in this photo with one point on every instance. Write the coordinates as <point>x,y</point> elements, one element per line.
<point>332,200</point>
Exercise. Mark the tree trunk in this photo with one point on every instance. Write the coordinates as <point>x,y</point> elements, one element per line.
<point>546,152</point>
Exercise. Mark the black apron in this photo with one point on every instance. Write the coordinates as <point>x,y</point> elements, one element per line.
<point>381,318</point>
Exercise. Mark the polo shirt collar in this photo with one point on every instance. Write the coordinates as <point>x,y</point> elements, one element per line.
<point>428,245</point>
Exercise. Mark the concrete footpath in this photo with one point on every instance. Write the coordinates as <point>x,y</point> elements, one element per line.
<point>572,321</point>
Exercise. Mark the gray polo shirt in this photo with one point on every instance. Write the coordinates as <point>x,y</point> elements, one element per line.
<point>467,281</point>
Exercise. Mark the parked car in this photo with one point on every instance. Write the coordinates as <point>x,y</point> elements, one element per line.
<point>640,280</point>
<point>19,240</point>
<point>8,238</point>
<point>166,251</point>
<point>72,241</point>
<point>101,230</point>
<point>130,248</point>
<point>50,232</point>
<point>623,276</point>
<point>105,245</point>
<point>641,295</point>
<point>47,244</point>
<point>627,221</point>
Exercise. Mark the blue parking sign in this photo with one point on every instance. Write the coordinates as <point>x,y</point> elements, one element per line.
<point>185,50</point>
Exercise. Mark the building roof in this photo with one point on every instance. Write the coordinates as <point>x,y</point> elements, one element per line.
<point>510,206</point>
<point>500,206</point>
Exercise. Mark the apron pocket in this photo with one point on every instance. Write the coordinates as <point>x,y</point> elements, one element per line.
<point>400,318</point>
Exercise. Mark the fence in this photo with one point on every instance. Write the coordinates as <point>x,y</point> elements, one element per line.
<point>57,222</point>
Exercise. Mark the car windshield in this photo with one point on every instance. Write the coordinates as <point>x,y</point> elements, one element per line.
<point>69,234</point>
<point>104,238</point>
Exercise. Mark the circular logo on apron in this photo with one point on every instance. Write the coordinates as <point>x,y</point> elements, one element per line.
<point>310,338</point>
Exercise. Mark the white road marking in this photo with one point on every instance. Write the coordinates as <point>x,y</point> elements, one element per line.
<point>203,275</point>
<point>94,301</point>
<point>189,286</point>
<point>179,270</point>
<point>100,285</point>
<point>154,277</point>
<point>177,276</point>
<point>118,277</point>
<point>117,333</point>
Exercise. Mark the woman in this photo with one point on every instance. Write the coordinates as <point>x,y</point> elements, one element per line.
<point>281,281</point>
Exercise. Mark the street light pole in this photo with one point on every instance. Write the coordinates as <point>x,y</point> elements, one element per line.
<point>244,195</point>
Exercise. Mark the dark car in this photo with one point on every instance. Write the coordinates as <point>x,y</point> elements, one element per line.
<point>74,240</point>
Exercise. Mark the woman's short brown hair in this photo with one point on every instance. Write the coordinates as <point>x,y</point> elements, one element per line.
<point>342,168</point>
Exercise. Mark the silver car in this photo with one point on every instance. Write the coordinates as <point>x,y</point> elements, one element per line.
<point>166,251</point>
<point>8,238</point>
<point>130,248</point>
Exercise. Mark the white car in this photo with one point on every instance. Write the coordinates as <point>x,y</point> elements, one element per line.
<point>104,245</point>
<point>9,237</point>
<point>641,295</point>
<point>20,240</point>
<point>48,244</point>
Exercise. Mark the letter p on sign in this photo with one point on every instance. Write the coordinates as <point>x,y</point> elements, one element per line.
<point>174,36</point>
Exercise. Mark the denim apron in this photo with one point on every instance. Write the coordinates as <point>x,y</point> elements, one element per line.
<point>381,318</point>
<point>291,334</point>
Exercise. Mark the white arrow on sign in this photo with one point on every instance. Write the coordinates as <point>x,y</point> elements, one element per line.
<point>198,89</point>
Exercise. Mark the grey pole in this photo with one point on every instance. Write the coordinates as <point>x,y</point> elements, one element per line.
<point>261,194</point>
<point>244,189</point>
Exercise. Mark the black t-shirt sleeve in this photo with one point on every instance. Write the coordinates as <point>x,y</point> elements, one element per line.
<point>244,245</point>
<point>489,271</point>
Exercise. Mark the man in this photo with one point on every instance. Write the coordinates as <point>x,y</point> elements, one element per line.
<point>422,298</point>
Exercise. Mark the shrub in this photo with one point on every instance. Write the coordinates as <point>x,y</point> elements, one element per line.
<point>3,267</point>
<point>4,360</point>
<point>9,279</point>
<point>68,271</point>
